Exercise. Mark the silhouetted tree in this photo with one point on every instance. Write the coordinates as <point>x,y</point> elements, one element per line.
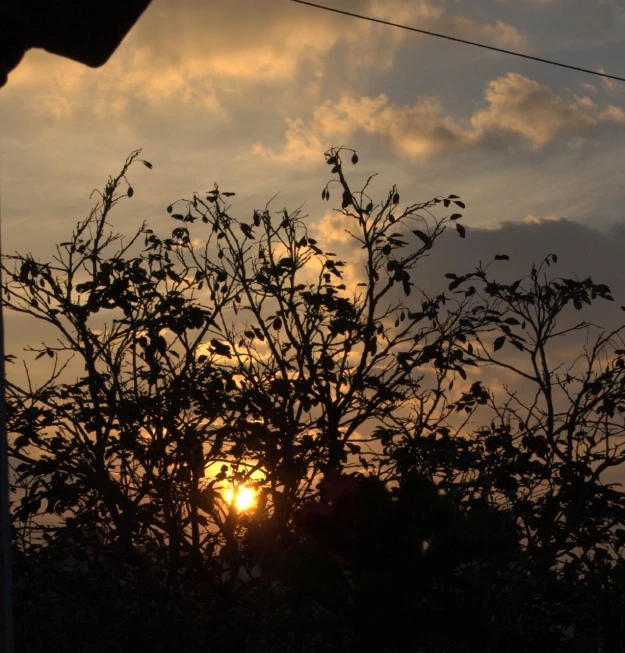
<point>549,439</point>
<point>237,352</point>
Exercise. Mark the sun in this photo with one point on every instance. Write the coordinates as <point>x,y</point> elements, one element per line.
<point>243,499</point>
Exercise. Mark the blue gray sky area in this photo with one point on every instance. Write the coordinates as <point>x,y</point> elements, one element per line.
<point>250,94</point>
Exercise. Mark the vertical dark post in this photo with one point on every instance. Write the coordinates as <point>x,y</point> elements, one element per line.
<point>6,576</point>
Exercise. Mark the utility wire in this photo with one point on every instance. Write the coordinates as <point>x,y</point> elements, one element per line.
<point>457,40</point>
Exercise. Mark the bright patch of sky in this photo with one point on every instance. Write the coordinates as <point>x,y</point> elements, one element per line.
<point>249,94</point>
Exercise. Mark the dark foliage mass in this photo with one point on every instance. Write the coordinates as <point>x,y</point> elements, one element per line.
<point>431,473</point>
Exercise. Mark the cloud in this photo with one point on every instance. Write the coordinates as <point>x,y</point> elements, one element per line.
<point>207,55</point>
<point>536,219</point>
<point>612,85</point>
<point>582,252</point>
<point>586,18</point>
<point>181,52</point>
<point>431,16</point>
<point>57,88</point>
<point>185,52</point>
<point>332,228</point>
<point>591,19</point>
<point>518,106</point>
<point>246,40</point>
<point>415,131</point>
<point>530,2</point>
<point>518,111</point>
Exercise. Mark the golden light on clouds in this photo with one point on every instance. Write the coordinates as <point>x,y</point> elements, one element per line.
<point>537,219</point>
<point>168,58</point>
<point>250,94</point>
<point>515,108</point>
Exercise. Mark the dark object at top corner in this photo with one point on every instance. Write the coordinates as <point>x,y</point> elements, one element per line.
<point>87,31</point>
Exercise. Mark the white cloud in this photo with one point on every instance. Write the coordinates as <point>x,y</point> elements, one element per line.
<point>517,109</point>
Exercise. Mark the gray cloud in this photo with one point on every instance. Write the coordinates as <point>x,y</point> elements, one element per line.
<point>582,252</point>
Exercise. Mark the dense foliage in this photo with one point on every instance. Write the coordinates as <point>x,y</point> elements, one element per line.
<point>241,353</point>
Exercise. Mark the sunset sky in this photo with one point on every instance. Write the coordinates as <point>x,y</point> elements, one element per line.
<point>250,94</point>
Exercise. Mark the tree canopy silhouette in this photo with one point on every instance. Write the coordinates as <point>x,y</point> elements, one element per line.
<point>240,352</point>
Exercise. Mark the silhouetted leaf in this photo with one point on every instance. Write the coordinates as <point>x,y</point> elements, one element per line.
<point>424,237</point>
<point>222,349</point>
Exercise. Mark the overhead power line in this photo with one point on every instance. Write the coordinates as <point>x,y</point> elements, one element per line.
<point>457,40</point>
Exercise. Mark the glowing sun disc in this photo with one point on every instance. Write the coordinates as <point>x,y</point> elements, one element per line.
<point>243,499</point>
